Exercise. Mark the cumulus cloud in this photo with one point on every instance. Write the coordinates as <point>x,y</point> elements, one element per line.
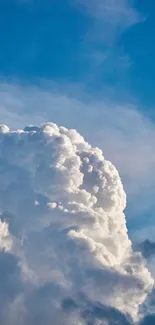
<point>67,104</point>
<point>65,251</point>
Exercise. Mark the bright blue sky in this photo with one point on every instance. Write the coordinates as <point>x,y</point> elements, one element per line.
<point>139,44</point>
<point>41,39</point>
<point>47,39</point>
<point>97,55</point>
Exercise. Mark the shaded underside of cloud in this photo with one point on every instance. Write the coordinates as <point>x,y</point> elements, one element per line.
<point>65,254</point>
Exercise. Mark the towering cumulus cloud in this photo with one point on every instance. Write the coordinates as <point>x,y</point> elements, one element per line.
<point>66,258</point>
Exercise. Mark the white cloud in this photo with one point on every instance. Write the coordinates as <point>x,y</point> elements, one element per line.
<point>122,131</point>
<point>73,244</point>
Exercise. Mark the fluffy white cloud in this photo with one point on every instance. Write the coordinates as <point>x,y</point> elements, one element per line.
<point>23,105</point>
<point>64,232</point>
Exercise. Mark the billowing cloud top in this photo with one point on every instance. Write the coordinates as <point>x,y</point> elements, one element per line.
<point>65,253</point>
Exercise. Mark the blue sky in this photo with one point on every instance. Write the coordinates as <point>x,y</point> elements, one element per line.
<point>89,65</point>
<point>62,41</point>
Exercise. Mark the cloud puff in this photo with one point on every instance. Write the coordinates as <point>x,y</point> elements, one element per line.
<point>120,142</point>
<point>63,231</point>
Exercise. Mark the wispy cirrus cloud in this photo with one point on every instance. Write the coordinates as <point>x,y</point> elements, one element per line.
<point>114,12</point>
<point>110,18</point>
